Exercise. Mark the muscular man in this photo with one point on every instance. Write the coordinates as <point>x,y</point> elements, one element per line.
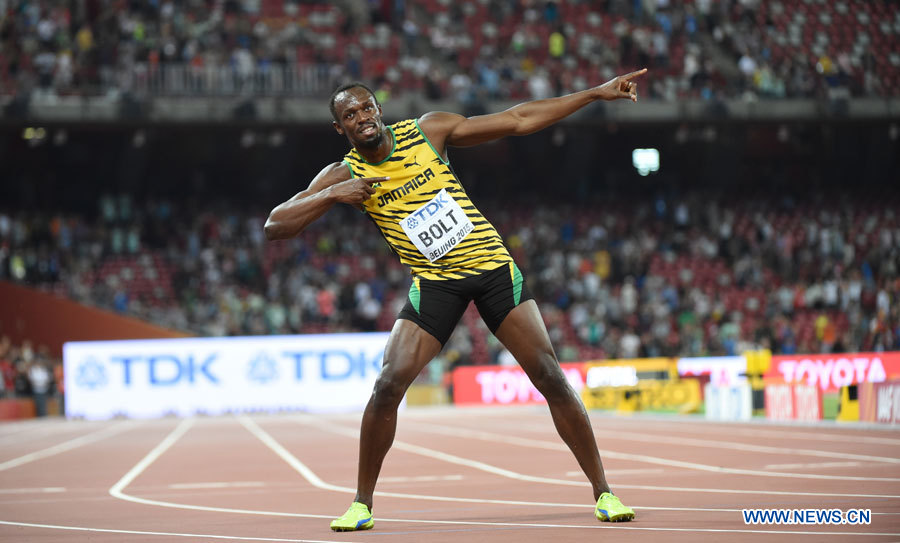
<point>400,176</point>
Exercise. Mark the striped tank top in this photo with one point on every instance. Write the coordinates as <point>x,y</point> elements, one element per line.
<point>423,211</point>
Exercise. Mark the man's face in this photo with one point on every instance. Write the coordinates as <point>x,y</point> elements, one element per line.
<point>359,118</point>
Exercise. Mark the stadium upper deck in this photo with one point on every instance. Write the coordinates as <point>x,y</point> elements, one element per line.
<point>464,51</point>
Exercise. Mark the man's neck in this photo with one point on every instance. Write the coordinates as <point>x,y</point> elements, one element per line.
<point>373,156</point>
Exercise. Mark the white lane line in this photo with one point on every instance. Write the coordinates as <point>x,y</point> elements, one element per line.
<point>535,443</point>
<point>654,438</point>
<point>67,445</point>
<point>236,484</point>
<point>540,444</point>
<point>116,490</point>
<point>19,434</point>
<point>291,460</point>
<point>168,534</point>
<point>618,526</point>
<point>814,465</point>
<point>636,471</point>
<point>316,481</point>
<point>708,443</point>
<point>420,479</point>
<point>38,490</point>
<point>789,431</point>
<point>852,438</point>
<point>688,424</point>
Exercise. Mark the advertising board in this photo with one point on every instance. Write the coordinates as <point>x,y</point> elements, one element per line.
<point>153,378</point>
<point>503,385</point>
<point>830,372</point>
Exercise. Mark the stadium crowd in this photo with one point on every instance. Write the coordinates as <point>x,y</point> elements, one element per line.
<point>29,372</point>
<point>469,51</point>
<point>691,277</point>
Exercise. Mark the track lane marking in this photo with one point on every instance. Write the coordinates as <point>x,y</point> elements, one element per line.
<point>145,462</point>
<point>68,445</point>
<point>420,479</point>
<point>707,443</point>
<point>620,472</point>
<point>170,534</point>
<point>223,484</point>
<point>757,428</point>
<point>541,444</point>
<point>37,490</point>
<point>311,477</point>
<point>814,465</point>
<point>700,442</point>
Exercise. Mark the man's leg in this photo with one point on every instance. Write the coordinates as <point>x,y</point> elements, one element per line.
<point>408,350</point>
<point>524,334</point>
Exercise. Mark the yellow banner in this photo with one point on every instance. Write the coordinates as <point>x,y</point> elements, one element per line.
<point>627,372</point>
<point>681,395</point>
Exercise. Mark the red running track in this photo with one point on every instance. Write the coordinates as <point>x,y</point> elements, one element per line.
<point>454,475</point>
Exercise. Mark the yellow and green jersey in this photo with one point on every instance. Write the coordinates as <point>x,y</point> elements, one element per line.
<point>423,211</point>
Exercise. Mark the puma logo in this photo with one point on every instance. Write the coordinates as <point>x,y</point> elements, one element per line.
<point>411,164</point>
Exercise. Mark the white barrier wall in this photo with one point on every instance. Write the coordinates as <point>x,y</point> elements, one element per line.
<point>152,378</point>
<point>734,402</point>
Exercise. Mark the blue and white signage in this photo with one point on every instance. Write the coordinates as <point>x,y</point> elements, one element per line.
<point>158,377</point>
<point>722,370</point>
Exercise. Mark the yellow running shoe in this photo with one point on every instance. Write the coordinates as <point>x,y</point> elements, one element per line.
<point>610,509</point>
<point>358,517</point>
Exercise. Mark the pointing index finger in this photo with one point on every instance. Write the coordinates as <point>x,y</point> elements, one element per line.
<point>373,180</point>
<point>632,75</point>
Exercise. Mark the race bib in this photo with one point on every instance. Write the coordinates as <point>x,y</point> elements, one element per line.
<point>437,227</point>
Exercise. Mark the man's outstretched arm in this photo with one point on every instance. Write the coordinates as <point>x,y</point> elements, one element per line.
<point>333,184</point>
<point>448,129</point>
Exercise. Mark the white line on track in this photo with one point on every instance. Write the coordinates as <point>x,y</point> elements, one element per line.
<point>852,437</point>
<point>752,428</point>
<point>619,472</point>
<point>39,490</point>
<point>749,447</point>
<point>618,526</point>
<point>235,484</point>
<point>535,443</point>
<point>814,465</point>
<point>68,445</point>
<point>311,477</point>
<point>420,478</point>
<point>173,534</point>
<point>163,446</point>
<point>776,429</point>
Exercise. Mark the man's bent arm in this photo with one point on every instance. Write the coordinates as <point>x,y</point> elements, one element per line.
<point>455,130</point>
<point>293,216</point>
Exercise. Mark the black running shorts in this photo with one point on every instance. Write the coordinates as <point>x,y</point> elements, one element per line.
<point>437,306</point>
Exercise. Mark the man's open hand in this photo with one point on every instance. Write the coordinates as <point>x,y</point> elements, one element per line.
<point>621,87</point>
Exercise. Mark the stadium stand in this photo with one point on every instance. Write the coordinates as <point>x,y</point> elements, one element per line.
<point>469,51</point>
<point>706,277</point>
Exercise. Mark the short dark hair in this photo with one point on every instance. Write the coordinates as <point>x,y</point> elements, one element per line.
<point>348,86</point>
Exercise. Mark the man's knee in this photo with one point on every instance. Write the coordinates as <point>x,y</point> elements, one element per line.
<point>389,390</point>
<point>551,382</point>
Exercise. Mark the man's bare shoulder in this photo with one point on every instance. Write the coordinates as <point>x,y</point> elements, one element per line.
<point>440,120</point>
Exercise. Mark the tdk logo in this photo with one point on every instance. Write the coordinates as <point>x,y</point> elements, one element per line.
<point>91,374</point>
<point>167,369</point>
<point>335,365</point>
<point>262,369</point>
<point>428,210</point>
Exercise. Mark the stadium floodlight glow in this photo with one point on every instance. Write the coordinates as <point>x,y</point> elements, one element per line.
<point>645,160</point>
